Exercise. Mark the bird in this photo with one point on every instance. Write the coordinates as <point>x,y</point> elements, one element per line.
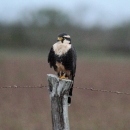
<point>62,57</point>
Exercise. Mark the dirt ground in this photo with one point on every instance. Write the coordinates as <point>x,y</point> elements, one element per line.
<point>29,108</point>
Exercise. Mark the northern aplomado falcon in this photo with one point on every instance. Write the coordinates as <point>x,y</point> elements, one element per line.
<point>62,57</point>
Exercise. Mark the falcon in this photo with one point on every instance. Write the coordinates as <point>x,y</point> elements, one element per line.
<point>62,57</point>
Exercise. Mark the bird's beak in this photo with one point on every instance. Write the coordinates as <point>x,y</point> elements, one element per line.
<point>60,38</point>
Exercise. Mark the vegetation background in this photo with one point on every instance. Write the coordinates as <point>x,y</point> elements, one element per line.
<point>103,63</point>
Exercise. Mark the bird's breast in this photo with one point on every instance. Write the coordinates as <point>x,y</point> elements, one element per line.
<point>61,48</point>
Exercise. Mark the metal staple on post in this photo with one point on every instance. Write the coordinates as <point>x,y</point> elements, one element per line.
<point>59,90</point>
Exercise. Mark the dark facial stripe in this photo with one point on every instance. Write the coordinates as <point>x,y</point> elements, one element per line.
<point>68,39</point>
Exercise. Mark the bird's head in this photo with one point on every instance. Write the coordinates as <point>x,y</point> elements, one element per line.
<point>64,38</point>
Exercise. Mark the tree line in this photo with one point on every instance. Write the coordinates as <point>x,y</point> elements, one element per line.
<point>39,30</point>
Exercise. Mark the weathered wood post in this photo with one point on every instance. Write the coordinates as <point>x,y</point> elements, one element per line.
<point>59,90</point>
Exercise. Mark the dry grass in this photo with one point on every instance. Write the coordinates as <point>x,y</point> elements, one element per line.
<point>29,109</point>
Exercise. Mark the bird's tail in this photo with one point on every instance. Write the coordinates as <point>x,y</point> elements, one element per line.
<point>70,93</point>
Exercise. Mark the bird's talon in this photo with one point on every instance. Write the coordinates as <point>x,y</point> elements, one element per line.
<point>63,77</point>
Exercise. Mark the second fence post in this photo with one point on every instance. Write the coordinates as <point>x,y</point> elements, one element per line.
<point>59,90</point>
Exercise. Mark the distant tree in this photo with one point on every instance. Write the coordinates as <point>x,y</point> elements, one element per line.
<point>47,17</point>
<point>18,36</point>
<point>120,39</point>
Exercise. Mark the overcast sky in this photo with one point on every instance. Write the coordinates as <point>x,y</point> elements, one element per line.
<point>103,12</point>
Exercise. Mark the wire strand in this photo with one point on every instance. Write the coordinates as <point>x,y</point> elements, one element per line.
<point>101,90</point>
<point>15,86</point>
<point>83,88</point>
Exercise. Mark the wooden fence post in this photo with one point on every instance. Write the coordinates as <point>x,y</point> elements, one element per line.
<point>59,90</point>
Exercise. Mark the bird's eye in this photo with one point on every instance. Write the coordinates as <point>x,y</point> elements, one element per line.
<point>67,39</point>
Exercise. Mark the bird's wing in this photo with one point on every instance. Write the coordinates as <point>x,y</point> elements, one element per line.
<point>52,58</point>
<point>73,71</point>
<point>74,61</point>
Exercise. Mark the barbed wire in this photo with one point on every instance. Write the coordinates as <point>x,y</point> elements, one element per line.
<point>15,86</point>
<point>102,90</point>
<point>84,88</point>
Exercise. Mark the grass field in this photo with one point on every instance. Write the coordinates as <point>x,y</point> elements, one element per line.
<point>29,108</point>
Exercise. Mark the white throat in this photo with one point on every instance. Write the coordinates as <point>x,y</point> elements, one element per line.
<point>61,48</point>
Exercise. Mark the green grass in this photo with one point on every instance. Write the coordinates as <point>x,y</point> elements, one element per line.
<point>82,56</point>
<point>103,56</point>
<point>22,53</point>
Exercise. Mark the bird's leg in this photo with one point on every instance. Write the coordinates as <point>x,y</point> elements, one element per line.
<point>63,76</point>
<point>59,74</point>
